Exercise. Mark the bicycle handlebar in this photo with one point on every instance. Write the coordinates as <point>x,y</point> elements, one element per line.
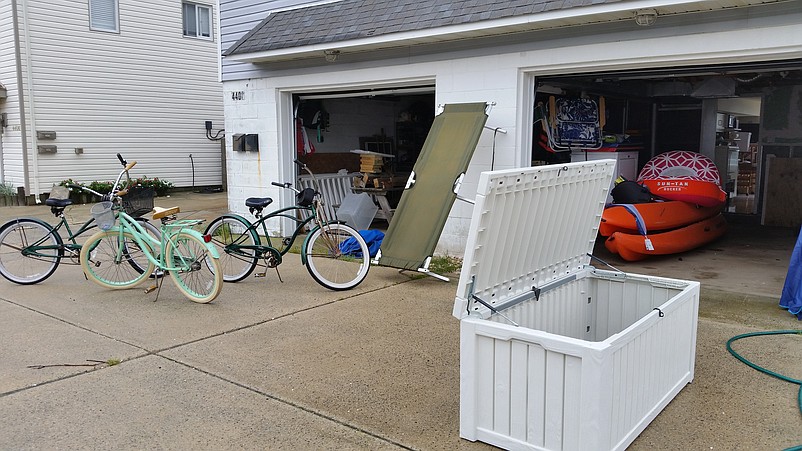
<point>120,157</point>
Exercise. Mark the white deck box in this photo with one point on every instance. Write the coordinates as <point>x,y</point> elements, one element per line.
<point>554,353</point>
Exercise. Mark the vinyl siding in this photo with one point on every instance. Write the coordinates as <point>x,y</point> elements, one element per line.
<point>10,137</point>
<point>238,17</point>
<point>144,92</point>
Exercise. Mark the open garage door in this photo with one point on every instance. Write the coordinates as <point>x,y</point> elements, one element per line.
<point>737,115</point>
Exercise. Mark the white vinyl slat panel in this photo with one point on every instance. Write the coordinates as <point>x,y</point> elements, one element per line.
<point>555,391</point>
<point>536,399</point>
<point>485,350</point>
<point>573,404</point>
<point>519,388</point>
<point>502,365</point>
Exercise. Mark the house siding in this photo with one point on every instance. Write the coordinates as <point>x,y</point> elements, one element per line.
<point>11,171</point>
<point>144,92</point>
<point>504,76</point>
<point>238,17</point>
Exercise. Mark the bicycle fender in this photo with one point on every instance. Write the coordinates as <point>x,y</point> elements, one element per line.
<point>25,218</point>
<point>212,250</point>
<point>306,243</point>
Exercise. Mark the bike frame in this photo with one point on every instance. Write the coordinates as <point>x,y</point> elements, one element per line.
<point>148,243</point>
<point>288,213</point>
<point>37,249</point>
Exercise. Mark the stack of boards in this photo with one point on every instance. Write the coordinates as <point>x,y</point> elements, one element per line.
<point>371,164</point>
<point>688,217</point>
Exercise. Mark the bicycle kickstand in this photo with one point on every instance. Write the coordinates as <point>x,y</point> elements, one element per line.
<point>157,287</point>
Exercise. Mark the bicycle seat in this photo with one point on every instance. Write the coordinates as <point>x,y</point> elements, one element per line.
<point>258,202</point>
<point>58,203</point>
<point>159,212</point>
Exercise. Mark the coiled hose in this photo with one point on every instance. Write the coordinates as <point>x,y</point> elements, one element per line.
<point>769,372</point>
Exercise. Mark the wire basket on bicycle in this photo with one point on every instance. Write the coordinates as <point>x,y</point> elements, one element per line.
<point>138,201</point>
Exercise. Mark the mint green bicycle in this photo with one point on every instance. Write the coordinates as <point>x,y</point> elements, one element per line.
<point>187,255</point>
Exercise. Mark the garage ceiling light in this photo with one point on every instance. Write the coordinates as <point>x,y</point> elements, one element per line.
<point>331,55</point>
<point>645,17</point>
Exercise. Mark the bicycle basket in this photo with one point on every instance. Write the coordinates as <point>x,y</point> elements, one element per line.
<point>138,201</point>
<point>103,214</point>
<point>305,197</point>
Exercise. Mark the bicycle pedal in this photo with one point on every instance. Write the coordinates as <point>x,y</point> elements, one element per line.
<point>259,275</point>
<point>150,289</point>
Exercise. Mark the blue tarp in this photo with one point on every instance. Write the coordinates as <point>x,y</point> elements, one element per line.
<point>791,298</point>
<point>373,238</point>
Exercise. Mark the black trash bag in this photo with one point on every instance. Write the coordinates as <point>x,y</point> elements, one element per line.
<point>629,192</point>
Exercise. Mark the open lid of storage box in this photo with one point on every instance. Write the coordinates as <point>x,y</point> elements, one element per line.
<point>531,229</point>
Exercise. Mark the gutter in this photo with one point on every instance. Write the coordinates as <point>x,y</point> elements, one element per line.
<point>558,18</point>
<point>30,97</point>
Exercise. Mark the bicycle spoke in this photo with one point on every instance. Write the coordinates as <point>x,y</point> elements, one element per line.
<point>198,276</point>
<point>235,241</point>
<point>20,258</point>
<point>329,265</point>
<point>108,262</point>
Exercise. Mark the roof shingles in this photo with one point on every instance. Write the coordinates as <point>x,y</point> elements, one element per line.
<point>354,19</point>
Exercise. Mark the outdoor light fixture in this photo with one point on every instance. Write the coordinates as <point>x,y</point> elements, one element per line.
<point>331,55</point>
<point>645,17</point>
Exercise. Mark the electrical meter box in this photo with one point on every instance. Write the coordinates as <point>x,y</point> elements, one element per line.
<point>556,354</point>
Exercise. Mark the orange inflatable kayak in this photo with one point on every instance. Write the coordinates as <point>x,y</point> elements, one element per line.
<point>633,247</point>
<point>656,216</point>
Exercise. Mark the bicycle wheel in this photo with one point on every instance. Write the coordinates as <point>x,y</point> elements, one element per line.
<point>100,262</point>
<point>228,235</point>
<point>20,259</point>
<point>200,277</point>
<point>135,255</point>
<point>327,263</point>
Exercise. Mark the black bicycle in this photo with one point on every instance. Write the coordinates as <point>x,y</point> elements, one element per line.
<point>334,253</point>
<point>31,249</point>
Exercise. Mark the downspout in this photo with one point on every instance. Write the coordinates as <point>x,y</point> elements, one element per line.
<point>20,96</point>
<point>29,64</point>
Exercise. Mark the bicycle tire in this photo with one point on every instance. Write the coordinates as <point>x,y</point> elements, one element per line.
<point>229,232</point>
<point>201,278</point>
<point>328,265</point>
<point>28,269</point>
<point>99,261</point>
<point>135,255</point>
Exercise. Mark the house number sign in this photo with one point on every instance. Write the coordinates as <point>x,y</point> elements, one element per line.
<point>237,95</point>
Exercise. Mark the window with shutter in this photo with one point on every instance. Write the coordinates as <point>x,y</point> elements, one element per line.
<point>103,15</point>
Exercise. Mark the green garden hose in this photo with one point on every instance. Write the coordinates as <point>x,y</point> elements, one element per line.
<point>769,372</point>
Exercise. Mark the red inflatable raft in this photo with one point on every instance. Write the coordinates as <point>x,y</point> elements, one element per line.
<point>684,176</point>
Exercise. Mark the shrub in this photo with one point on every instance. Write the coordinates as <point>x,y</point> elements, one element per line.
<point>159,185</point>
<point>7,189</point>
<point>101,187</point>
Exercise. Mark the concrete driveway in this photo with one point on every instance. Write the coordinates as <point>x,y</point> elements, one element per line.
<point>291,365</point>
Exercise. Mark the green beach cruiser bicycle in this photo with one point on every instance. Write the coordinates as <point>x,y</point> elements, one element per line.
<point>32,249</point>
<point>334,253</point>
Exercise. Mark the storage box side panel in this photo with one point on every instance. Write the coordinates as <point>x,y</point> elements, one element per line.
<point>565,311</point>
<point>621,303</point>
<point>524,394</point>
<point>650,366</point>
